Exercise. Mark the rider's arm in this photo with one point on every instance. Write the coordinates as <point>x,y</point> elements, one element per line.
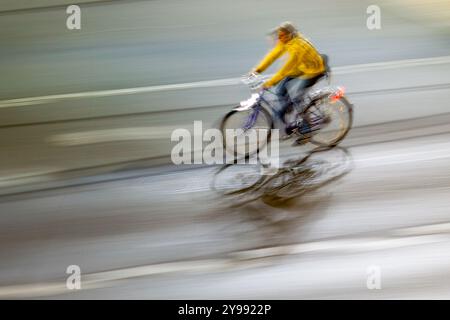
<point>274,54</point>
<point>283,72</point>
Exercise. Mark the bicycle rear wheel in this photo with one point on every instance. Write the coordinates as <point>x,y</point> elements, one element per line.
<point>337,117</point>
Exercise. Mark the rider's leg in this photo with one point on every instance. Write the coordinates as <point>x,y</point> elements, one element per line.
<point>301,86</point>
<point>282,92</point>
<point>283,102</point>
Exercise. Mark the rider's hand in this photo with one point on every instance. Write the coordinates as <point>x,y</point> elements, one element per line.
<point>265,86</point>
<point>252,74</point>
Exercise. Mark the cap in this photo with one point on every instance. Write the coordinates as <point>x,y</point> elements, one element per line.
<point>286,26</point>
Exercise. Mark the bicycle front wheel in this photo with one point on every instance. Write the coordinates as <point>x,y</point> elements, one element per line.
<point>246,132</point>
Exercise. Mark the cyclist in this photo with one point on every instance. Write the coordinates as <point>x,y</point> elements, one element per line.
<point>303,68</point>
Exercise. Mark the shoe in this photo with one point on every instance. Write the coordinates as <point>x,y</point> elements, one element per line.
<point>292,128</point>
<point>289,131</point>
<point>305,132</point>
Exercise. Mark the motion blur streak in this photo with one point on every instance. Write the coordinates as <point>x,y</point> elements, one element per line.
<point>214,83</point>
<point>86,177</point>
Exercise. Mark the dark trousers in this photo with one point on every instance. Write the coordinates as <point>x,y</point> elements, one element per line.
<point>281,90</point>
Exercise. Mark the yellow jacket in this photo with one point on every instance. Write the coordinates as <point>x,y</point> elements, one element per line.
<point>303,61</point>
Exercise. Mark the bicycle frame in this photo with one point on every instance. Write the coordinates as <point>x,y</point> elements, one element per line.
<point>251,120</point>
<point>300,104</point>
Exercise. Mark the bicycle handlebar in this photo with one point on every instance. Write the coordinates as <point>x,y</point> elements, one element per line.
<point>254,80</point>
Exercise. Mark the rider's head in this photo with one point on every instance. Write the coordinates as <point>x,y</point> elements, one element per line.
<point>286,31</point>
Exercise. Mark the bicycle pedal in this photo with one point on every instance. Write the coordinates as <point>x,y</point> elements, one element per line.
<point>288,136</point>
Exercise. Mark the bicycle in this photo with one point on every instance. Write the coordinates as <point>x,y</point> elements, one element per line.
<point>326,115</point>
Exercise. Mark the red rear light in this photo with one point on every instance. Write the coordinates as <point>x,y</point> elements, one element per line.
<point>337,95</point>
